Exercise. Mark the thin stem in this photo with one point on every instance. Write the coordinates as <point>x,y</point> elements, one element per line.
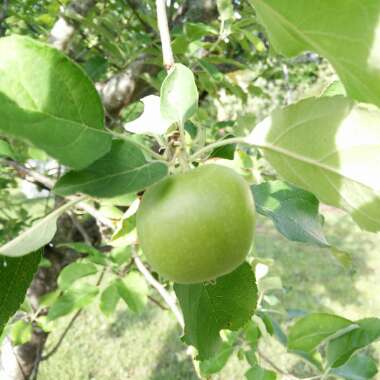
<point>163,27</point>
<point>210,147</point>
<point>160,289</point>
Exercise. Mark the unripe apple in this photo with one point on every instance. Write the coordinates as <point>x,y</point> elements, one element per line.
<point>198,225</point>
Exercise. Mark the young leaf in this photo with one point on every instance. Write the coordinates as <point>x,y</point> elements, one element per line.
<point>109,299</point>
<point>48,100</point>
<point>74,272</point>
<point>258,373</point>
<point>73,299</point>
<point>179,95</point>
<point>335,30</point>
<point>95,256</point>
<point>225,9</point>
<point>150,121</point>
<point>124,169</point>
<point>359,367</point>
<point>21,332</point>
<point>217,362</point>
<point>38,235</point>
<point>329,146</point>
<point>210,307</point>
<point>310,331</point>
<point>133,289</point>
<point>293,211</point>
<point>16,274</point>
<point>6,150</point>
<point>340,349</point>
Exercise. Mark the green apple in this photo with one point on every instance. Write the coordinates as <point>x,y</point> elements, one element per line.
<point>198,225</point>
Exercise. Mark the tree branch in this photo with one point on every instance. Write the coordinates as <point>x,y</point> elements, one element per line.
<point>160,289</point>
<point>163,27</point>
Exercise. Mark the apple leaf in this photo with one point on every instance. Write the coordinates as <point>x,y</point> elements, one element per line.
<point>227,303</point>
<point>16,274</point>
<point>329,146</point>
<point>179,95</point>
<point>48,100</point>
<point>340,349</point>
<point>39,234</point>
<point>134,290</point>
<point>334,29</point>
<point>310,331</point>
<point>123,170</point>
<point>293,211</point>
<point>359,367</point>
<point>150,121</point>
<point>74,272</point>
<point>109,299</point>
<point>6,150</point>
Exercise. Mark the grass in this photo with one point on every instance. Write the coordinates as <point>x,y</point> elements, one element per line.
<point>148,347</point>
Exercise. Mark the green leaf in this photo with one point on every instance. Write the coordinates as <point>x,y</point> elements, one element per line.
<point>310,331</point>
<point>150,121</point>
<point>359,367</point>
<point>258,373</point>
<point>225,9</point>
<point>48,100</point>
<point>336,30</point>
<point>21,332</point>
<point>73,299</point>
<point>16,274</point>
<point>329,146</point>
<point>134,290</point>
<point>6,150</point>
<point>228,303</point>
<point>74,272</point>
<point>179,95</point>
<point>39,234</point>
<point>123,170</point>
<point>217,362</point>
<point>109,300</point>
<point>334,88</point>
<point>95,255</point>
<point>294,211</point>
<point>340,349</point>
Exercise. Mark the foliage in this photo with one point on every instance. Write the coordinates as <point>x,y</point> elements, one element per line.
<point>326,145</point>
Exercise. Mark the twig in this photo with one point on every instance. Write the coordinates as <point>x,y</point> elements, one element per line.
<point>163,27</point>
<point>80,228</point>
<point>70,324</point>
<point>275,367</point>
<point>158,303</point>
<point>67,329</point>
<point>160,289</point>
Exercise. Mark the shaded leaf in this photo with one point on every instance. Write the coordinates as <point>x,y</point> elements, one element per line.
<point>310,331</point>
<point>73,299</point>
<point>6,150</point>
<point>293,211</point>
<point>258,373</point>
<point>340,349</point>
<point>123,170</point>
<point>109,299</point>
<point>16,274</point>
<point>359,367</point>
<point>133,289</point>
<point>210,307</point>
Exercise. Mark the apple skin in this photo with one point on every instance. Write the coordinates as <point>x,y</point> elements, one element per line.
<point>198,225</point>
